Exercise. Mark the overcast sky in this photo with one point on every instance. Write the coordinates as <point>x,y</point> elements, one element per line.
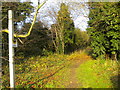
<point>78,11</point>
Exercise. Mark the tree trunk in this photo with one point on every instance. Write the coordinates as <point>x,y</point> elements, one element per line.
<point>114,57</point>
<point>61,40</point>
<point>107,56</point>
<point>57,40</point>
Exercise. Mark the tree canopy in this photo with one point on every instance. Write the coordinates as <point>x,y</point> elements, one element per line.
<point>37,43</point>
<point>105,28</point>
<point>66,28</point>
<point>21,10</point>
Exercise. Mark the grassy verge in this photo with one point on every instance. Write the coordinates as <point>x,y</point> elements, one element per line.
<point>54,71</point>
<point>98,74</point>
<point>37,72</point>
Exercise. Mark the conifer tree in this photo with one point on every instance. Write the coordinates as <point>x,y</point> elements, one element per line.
<point>65,28</point>
<point>105,29</point>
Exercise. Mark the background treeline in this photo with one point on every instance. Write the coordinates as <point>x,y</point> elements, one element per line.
<point>102,37</point>
<point>61,38</point>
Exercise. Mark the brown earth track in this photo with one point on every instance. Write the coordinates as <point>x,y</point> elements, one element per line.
<point>74,83</point>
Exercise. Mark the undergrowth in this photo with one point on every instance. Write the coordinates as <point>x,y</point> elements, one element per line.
<point>54,71</point>
<point>36,72</point>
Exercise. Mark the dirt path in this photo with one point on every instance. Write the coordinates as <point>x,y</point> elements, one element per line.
<point>73,83</point>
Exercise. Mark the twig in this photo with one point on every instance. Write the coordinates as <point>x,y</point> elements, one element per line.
<point>4,58</point>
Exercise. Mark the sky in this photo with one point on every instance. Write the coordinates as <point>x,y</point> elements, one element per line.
<point>78,11</point>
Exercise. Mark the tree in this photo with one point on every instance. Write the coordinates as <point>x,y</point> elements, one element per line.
<point>21,10</point>
<point>104,29</point>
<point>65,28</point>
<point>37,42</point>
<point>81,39</point>
<point>55,37</point>
<point>51,14</point>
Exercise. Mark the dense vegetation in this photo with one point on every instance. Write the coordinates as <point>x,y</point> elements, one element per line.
<point>54,57</point>
<point>104,29</point>
<point>54,71</point>
<point>21,10</point>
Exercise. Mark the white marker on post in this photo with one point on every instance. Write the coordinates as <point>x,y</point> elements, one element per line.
<point>11,49</point>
